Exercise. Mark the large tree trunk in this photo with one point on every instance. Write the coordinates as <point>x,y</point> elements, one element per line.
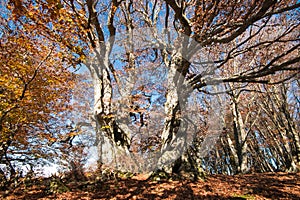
<point>174,135</point>
<point>240,138</point>
<point>112,142</point>
<point>233,152</point>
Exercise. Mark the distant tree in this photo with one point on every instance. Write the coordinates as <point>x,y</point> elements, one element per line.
<point>279,127</point>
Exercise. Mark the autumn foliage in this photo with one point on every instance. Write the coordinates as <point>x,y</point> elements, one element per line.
<point>35,91</point>
<point>134,97</point>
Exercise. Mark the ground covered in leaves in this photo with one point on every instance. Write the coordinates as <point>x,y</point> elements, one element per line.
<point>250,186</point>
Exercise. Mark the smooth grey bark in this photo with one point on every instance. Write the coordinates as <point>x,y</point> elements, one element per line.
<point>240,137</point>
<point>111,139</point>
<point>172,140</point>
<point>242,126</point>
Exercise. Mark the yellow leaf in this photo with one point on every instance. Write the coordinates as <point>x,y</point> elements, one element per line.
<point>105,127</point>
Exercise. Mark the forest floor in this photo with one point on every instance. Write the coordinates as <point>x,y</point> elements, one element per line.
<point>249,186</point>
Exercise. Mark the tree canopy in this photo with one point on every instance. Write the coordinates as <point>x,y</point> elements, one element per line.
<point>171,79</point>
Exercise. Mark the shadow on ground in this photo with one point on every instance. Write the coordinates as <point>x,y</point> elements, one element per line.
<point>250,186</point>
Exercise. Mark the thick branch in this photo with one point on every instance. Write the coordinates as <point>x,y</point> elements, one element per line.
<point>179,14</point>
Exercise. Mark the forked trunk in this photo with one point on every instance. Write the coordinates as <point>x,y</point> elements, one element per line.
<point>240,136</point>
<point>112,141</point>
<point>174,134</point>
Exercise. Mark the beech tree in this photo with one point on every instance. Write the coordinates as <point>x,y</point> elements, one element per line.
<point>279,127</point>
<point>39,102</point>
<point>265,146</point>
<point>35,91</point>
<point>221,30</point>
